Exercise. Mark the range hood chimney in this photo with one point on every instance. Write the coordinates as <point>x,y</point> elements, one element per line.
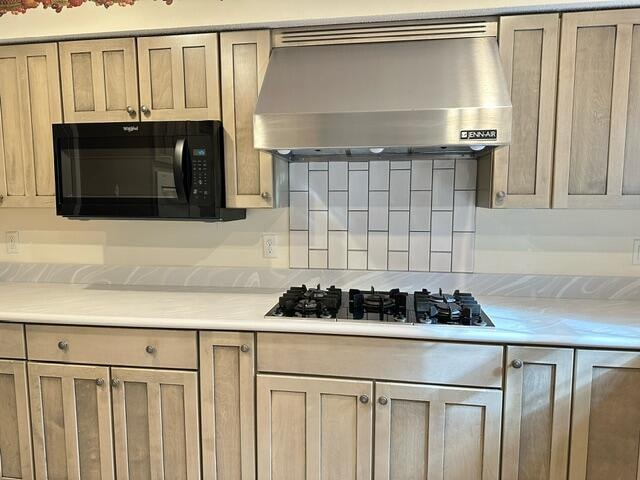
<point>402,95</point>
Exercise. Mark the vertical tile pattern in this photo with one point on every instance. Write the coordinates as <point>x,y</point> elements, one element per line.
<point>415,214</point>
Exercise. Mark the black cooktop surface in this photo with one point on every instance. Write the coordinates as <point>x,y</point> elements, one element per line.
<point>392,306</point>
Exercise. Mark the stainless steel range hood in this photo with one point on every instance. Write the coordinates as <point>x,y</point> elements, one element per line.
<point>406,95</point>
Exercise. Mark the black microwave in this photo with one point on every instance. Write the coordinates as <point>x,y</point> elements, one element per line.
<point>172,170</point>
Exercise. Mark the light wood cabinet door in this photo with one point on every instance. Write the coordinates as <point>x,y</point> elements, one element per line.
<point>597,159</point>
<point>248,172</point>
<point>155,421</point>
<point>179,77</point>
<point>71,422</point>
<point>428,432</point>
<point>314,428</point>
<point>227,388</point>
<point>605,427</point>
<point>30,103</point>
<point>99,80</point>
<point>522,171</point>
<point>15,436</point>
<point>537,412</point>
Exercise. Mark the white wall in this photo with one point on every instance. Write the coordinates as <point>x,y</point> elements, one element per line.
<point>47,238</point>
<point>148,15</point>
<point>579,242</point>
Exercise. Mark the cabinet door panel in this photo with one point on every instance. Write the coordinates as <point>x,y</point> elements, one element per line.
<point>228,409</point>
<point>537,413</point>
<point>605,431</point>
<point>99,80</point>
<point>313,428</point>
<point>15,438</point>
<point>29,104</point>
<point>426,432</point>
<point>71,410</point>
<point>596,139</point>
<point>248,172</point>
<point>179,77</point>
<point>529,52</point>
<point>156,424</point>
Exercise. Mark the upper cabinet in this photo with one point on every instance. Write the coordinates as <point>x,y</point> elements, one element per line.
<point>253,178</point>
<point>522,171</point>
<point>99,80</point>
<point>29,104</point>
<point>597,140</point>
<point>179,77</point>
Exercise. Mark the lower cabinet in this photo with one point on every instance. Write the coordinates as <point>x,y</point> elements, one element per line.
<point>15,437</point>
<point>227,385</point>
<point>155,423</point>
<point>436,432</point>
<point>71,415</point>
<point>605,427</point>
<point>314,428</point>
<point>537,412</point>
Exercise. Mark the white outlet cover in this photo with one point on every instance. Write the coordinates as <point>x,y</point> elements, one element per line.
<point>269,245</point>
<point>13,243</point>
<point>636,252</point>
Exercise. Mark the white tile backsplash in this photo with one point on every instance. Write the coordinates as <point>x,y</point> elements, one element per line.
<point>379,175</point>
<point>338,210</point>
<point>318,229</point>
<point>357,239</point>
<point>416,214</point>
<point>338,250</point>
<point>379,211</point>
<point>377,251</point>
<point>399,231</point>
<point>338,176</point>
<point>298,210</point>
<point>298,176</point>
<point>399,189</point>
<point>318,190</point>
<point>442,189</point>
<point>358,190</point>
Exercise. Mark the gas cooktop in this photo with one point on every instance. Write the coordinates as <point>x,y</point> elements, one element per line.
<point>393,306</point>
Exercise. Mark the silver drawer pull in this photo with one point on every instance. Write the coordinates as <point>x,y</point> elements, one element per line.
<point>63,345</point>
<point>100,382</point>
<point>150,349</point>
<point>245,348</point>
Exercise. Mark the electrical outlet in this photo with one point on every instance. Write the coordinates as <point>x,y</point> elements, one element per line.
<point>269,245</point>
<point>13,243</point>
<point>636,251</point>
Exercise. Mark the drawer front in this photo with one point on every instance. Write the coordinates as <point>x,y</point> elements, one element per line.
<point>381,358</point>
<point>113,346</point>
<point>12,341</point>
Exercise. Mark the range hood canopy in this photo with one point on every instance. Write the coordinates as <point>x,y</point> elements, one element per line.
<point>402,95</point>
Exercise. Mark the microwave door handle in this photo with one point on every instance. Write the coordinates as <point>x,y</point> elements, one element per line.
<point>178,175</point>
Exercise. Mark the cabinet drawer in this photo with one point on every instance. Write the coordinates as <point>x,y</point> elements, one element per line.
<point>113,346</point>
<point>12,341</point>
<point>381,358</point>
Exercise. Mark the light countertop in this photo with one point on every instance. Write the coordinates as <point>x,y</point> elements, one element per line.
<point>535,321</point>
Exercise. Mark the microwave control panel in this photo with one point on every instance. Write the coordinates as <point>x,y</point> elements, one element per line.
<point>201,177</point>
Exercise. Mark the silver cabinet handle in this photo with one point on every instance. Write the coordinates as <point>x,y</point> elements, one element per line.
<point>265,195</point>
<point>131,111</point>
<point>63,345</point>
<point>382,400</point>
<point>150,349</point>
<point>99,382</point>
<point>500,196</point>
<point>517,363</point>
<point>115,383</point>
<point>364,398</point>
<point>1,199</point>
<point>244,348</point>
<point>146,110</point>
